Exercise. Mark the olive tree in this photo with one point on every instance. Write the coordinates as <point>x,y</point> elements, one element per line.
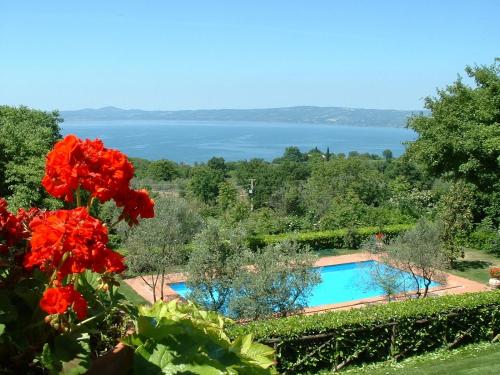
<point>419,252</point>
<point>155,245</point>
<point>278,281</point>
<point>216,258</point>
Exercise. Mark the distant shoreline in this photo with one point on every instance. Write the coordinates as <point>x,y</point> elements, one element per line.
<point>300,115</point>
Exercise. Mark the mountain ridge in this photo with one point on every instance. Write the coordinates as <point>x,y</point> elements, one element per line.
<point>297,114</point>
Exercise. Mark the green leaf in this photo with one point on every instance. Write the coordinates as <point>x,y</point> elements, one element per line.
<point>71,354</point>
<point>179,338</point>
<point>8,312</point>
<point>48,359</point>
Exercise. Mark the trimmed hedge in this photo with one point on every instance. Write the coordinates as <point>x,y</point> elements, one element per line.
<point>328,239</point>
<point>394,330</point>
<point>486,240</point>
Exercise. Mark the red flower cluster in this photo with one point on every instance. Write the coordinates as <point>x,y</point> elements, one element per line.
<point>135,203</point>
<point>495,272</point>
<point>67,242</point>
<point>13,228</point>
<point>379,236</point>
<point>58,300</point>
<point>105,173</point>
<point>71,241</point>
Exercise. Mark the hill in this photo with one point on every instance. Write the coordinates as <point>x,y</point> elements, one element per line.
<point>304,114</point>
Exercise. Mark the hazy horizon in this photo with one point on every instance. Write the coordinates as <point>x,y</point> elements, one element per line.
<point>227,108</point>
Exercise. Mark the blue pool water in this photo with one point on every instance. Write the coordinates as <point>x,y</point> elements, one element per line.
<point>345,282</point>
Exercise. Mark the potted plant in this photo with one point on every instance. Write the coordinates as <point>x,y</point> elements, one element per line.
<point>494,281</point>
<point>60,309</point>
<point>59,305</point>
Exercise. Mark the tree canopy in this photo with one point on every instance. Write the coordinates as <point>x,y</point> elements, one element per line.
<point>26,136</point>
<point>460,139</point>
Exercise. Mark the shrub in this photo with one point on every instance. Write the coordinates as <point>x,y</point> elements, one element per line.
<point>393,330</point>
<point>328,239</point>
<point>485,239</point>
<point>419,252</point>
<point>278,283</point>
<point>216,258</point>
<point>174,338</point>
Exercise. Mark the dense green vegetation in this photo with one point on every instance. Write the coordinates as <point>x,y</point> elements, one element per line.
<point>173,338</point>
<point>460,141</point>
<point>26,136</point>
<point>395,330</point>
<point>247,232</point>
<point>345,238</point>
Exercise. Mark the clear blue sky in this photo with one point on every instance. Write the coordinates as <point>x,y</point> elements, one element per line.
<point>57,54</point>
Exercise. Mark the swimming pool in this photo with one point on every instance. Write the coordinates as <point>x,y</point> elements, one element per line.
<point>345,282</point>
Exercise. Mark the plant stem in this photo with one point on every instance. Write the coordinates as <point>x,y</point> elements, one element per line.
<point>78,197</point>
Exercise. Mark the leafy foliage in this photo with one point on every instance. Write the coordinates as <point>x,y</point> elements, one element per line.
<point>330,239</point>
<point>419,252</point>
<point>455,214</point>
<point>160,243</point>
<point>278,282</point>
<point>179,338</point>
<point>26,135</point>
<point>204,183</point>
<point>394,330</point>
<point>460,140</point>
<point>214,263</point>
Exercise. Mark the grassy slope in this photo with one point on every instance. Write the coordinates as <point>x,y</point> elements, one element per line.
<point>475,265</point>
<point>130,294</point>
<point>334,252</point>
<point>478,359</point>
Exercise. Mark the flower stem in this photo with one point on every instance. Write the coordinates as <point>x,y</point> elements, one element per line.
<point>78,197</point>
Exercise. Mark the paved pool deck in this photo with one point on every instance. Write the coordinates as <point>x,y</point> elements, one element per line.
<point>454,285</point>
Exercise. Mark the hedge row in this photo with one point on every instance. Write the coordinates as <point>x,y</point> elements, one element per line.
<point>486,240</point>
<point>395,330</point>
<point>328,239</point>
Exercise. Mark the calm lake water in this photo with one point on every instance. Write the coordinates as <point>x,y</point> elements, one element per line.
<point>198,141</point>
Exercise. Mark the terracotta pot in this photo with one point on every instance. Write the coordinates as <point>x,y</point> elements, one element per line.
<point>119,361</point>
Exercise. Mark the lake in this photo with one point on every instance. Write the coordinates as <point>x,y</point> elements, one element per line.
<point>198,141</point>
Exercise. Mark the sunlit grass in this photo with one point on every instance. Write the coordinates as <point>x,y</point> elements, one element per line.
<point>482,358</point>
<point>475,265</point>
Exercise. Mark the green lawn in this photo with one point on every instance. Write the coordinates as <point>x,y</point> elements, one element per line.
<point>475,265</point>
<point>130,294</point>
<point>480,359</point>
<point>333,252</point>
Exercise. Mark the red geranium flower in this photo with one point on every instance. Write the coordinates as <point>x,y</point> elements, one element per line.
<point>135,203</point>
<point>105,173</point>
<point>58,300</point>
<point>63,167</point>
<point>70,241</point>
<point>73,162</point>
<point>109,261</point>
